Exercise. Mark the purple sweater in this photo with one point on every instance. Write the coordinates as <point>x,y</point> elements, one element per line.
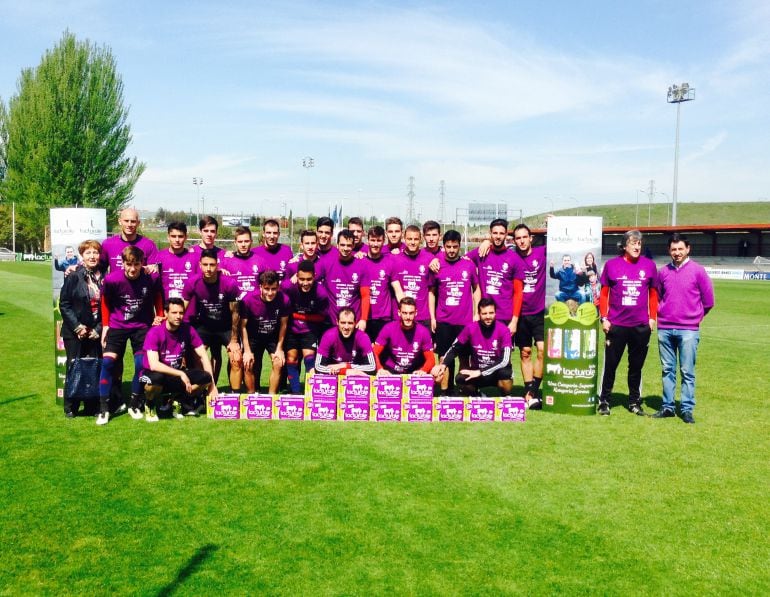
<point>685,296</point>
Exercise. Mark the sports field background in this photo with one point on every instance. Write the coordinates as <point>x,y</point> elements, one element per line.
<point>620,505</point>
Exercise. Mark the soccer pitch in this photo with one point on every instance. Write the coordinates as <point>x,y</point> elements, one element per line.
<point>613,505</point>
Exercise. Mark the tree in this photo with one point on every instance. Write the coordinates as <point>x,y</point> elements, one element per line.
<point>64,135</point>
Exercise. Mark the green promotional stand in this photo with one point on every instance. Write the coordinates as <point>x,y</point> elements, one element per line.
<point>571,360</point>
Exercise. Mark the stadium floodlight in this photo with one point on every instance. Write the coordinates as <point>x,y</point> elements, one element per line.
<point>307,164</point>
<point>677,94</point>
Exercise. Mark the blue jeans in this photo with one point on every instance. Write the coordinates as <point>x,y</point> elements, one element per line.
<point>683,343</point>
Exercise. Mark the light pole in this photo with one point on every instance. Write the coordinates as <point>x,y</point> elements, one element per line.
<point>668,205</point>
<point>636,223</point>
<point>463,210</point>
<point>307,164</point>
<point>677,95</point>
<point>198,182</point>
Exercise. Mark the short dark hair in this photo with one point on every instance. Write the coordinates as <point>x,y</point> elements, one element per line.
<point>345,233</point>
<point>431,225</point>
<point>324,221</point>
<point>268,278</point>
<point>375,231</point>
<point>412,228</point>
<point>210,253</point>
<point>270,222</point>
<point>181,226</point>
<point>242,230</point>
<point>346,310</point>
<point>174,300</point>
<point>356,220</point>
<point>132,252</point>
<point>306,266</point>
<point>306,233</point>
<point>498,222</point>
<point>678,238</point>
<point>522,227</point>
<point>394,220</point>
<point>452,236</point>
<point>487,302</point>
<point>207,221</point>
<point>407,300</point>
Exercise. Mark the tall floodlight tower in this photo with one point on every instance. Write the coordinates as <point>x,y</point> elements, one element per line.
<point>307,164</point>
<point>410,201</point>
<point>441,203</point>
<point>677,95</point>
<point>198,182</point>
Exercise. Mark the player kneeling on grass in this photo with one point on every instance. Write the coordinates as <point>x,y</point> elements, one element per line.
<point>345,350</point>
<point>166,353</point>
<point>488,343</point>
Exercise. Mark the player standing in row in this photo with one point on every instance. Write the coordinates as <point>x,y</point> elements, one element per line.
<point>346,281</point>
<point>131,303</point>
<point>345,350</point>
<point>325,230</point>
<point>112,248</point>
<point>164,368</point>
<point>404,346</point>
<point>264,321</point>
<point>380,270</point>
<point>211,303</point>
<point>487,343</point>
<point>272,255</point>
<point>431,233</point>
<point>628,307</point>
<point>394,229</point>
<point>243,265</point>
<point>308,251</point>
<point>177,264</point>
<point>208,228</point>
<point>454,300</point>
<point>309,307</point>
<point>530,326</point>
<point>412,275</point>
<point>356,226</point>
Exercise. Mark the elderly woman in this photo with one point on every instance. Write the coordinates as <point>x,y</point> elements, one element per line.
<point>79,306</point>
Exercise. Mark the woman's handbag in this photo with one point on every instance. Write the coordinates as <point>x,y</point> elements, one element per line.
<point>82,381</point>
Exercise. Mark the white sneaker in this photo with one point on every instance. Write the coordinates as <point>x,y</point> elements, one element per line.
<point>103,419</point>
<point>135,413</point>
<point>121,409</point>
<point>151,416</point>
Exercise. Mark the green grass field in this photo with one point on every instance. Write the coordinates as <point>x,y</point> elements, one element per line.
<point>615,506</point>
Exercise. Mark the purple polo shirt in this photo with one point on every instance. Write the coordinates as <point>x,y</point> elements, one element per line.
<point>685,294</point>
<point>497,271</point>
<point>379,274</point>
<point>343,282</point>
<point>403,349</point>
<point>416,279</point>
<point>244,270</point>
<point>275,259</point>
<point>209,306</point>
<point>171,346</point>
<point>315,302</point>
<point>176,270</point>
<point>630,285</point>
<point>535,270</point>
<point>354,350</point>
<point>487,344</point>
<point>113,246</point>
<point>264,319</point>
<point>454,290</point>
<point>131,302</point>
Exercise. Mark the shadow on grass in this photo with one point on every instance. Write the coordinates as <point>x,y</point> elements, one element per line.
<point>9,400</point>
<point>192,566</point>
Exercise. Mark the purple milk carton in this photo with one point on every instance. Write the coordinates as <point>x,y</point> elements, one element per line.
<point>354,398</point>
<point>290,407</point>
<point>257,406</point>
<point>448,409</point>
<point>418,406</point>
<point>481,410</point>
<point>225,406</point>
<point>510,410</point>
<point>321,386</point>
<point>388,398</point>
<point>321,398</point>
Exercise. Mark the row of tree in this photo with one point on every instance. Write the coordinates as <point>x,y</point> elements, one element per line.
<point>63,140</point>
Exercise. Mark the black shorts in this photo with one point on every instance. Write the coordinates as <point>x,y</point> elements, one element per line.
<point>307,341</point>
<point>260,344</point>
<point>446,334</point>
<point>503,374</point>
<point>374,327</point>
<point>215,339</point>
<point>529,328</point>
<point>172,383</point>
<point>117,340</point>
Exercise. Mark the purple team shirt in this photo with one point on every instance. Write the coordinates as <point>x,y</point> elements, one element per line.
<point>170,346</point>
<point>275,259</point>
<point>176,270</point>
<point>197,250</point>
<point>244,270</point>
<point>263,319</point>
<point>209,304</point>
<point>487,345</point>
<point>131,303</point>
<point>114,245</point>
<point>497,271</point>
<point>315,302</point>
<point>403,349</point>
<point>416,279</point>
<point>386,250</point>
<point>379,274</point>
<point>343,282</point>
<point>356,350</point>
<point>454,290</point>
<point>535,270</point>
<point>293,267</point>
<point>629,285</point>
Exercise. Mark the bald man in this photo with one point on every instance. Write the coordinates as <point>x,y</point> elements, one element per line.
<point>112,248</point>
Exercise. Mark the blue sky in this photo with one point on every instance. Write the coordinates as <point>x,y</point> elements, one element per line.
<point>535,104</point>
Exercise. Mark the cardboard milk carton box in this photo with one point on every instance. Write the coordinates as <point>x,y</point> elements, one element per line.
<point>388,398</point>
<point>511,410</point>
<point>481,410</point>
<point>321,398</point>
<point>289,408</point>
<point>257,406</point>
<point>418,404</point>
<point>225,406</point>
<point>354,398</point>
<point>447,409</point>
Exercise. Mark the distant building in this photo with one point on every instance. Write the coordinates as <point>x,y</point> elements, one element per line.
<point>484,213</point>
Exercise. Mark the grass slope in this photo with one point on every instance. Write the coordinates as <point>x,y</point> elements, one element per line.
<point>573,505</point>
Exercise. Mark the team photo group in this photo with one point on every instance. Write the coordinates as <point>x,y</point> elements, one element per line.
<point>383,300</point>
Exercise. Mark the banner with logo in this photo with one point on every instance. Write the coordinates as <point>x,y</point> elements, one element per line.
<point>570,376</point>
<point>69,227</point>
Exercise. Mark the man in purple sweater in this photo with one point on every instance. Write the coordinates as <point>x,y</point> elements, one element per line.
<point>685,296</point>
